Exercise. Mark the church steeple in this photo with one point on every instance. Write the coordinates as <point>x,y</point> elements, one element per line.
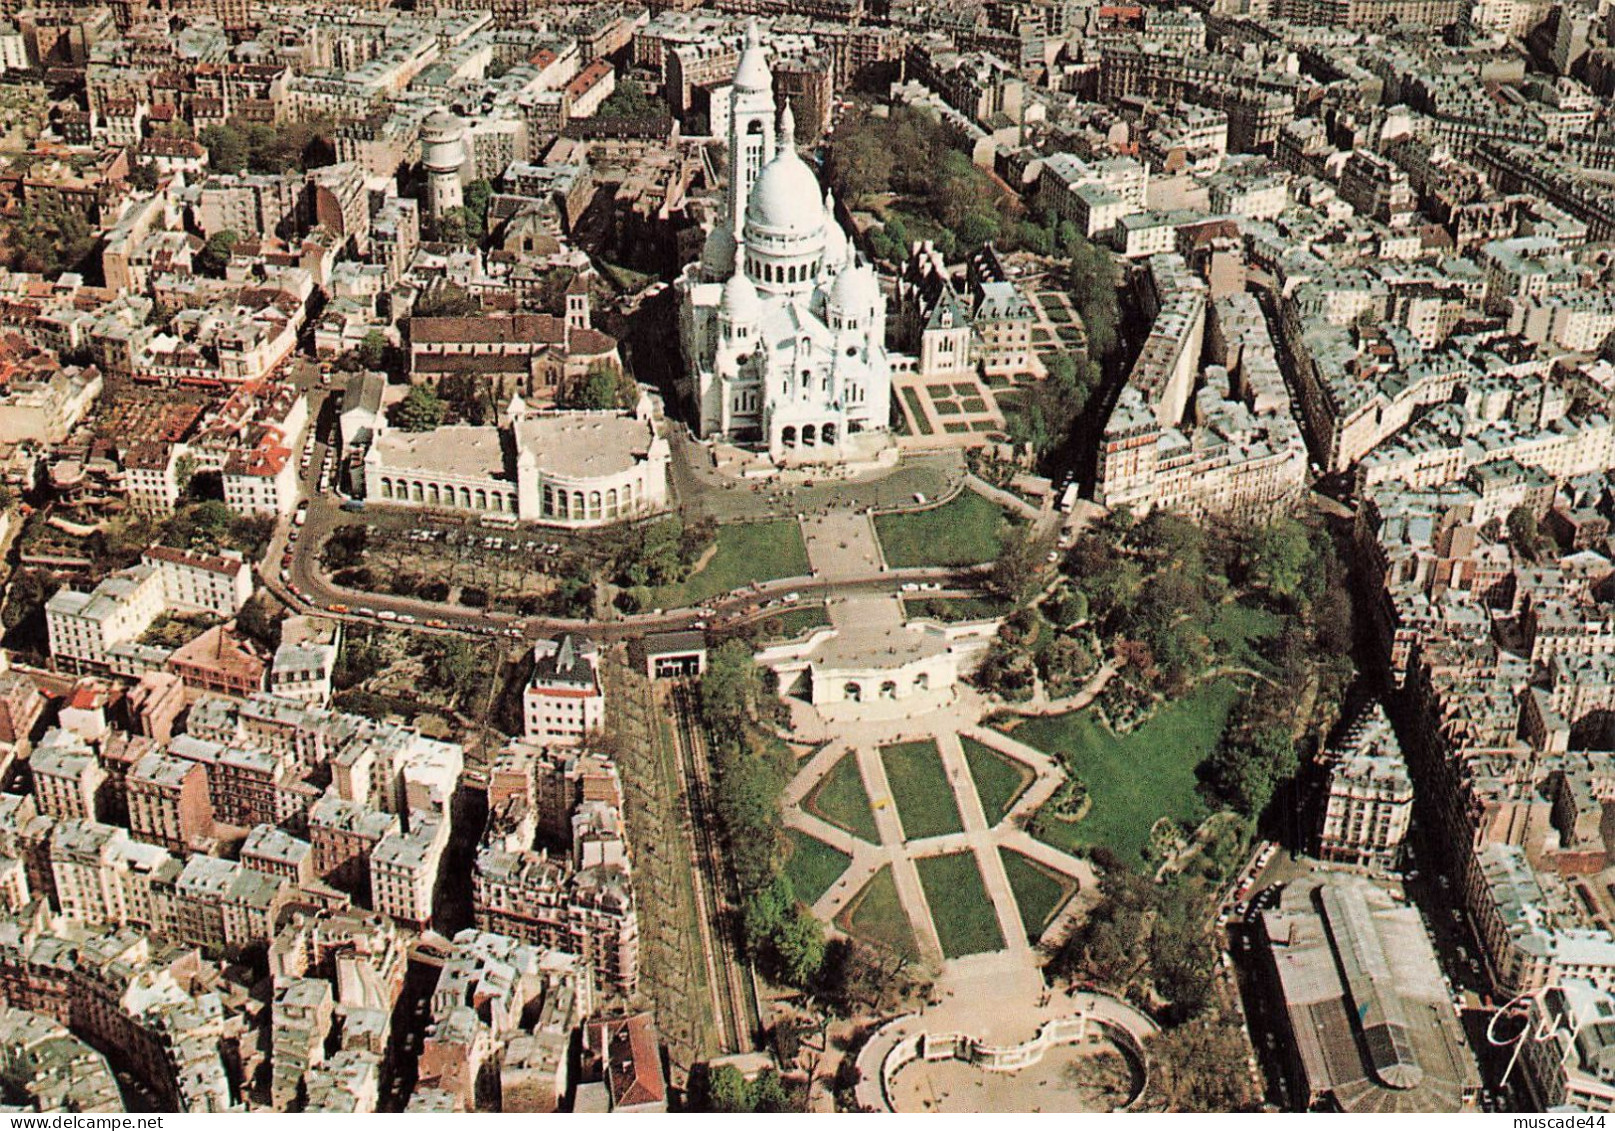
<point>751,125</point>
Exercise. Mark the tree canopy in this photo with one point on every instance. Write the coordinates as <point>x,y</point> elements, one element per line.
<point>421,410</point>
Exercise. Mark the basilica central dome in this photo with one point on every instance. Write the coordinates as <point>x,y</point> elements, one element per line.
<point>786,197</point>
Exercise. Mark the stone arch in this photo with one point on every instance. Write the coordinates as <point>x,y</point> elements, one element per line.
<point>787,436</point>
<point>827,434</point>
<point>594,504</point>
<point>854,691</point>
<point>578,512</point>
<point>420,492</point>
<point>431,493</point>
<point>465,497</point>
<point>888,689</point>
<point>809,438</point>
<point>611,503</point>
<point>482,499</point>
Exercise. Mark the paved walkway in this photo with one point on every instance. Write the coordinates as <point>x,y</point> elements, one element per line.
<point>841,544</point>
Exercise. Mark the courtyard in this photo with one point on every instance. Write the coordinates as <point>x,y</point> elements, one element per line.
<point>924,834</point>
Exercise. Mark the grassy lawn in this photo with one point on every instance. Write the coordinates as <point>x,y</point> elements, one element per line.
<point>917,411</point>
<point>961,909</point>
<point>792,623</point>
<point>1134,779</point>
<point>999,778</point>
<point>920,789</point>
<point>974,404</point>
<point>947,407</point>
<point>841,799</point>
<point>1039,892</point>
<point>746,552</point>
<point>1237,631</point>
<point>876,915</point>
<point>963,531</point>
<point>813,865</point>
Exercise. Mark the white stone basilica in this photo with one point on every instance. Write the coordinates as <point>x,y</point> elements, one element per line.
<point>783,330</point>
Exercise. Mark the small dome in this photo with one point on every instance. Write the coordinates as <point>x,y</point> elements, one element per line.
<point>440,125</point>
<point>855,289</point>
<point>718,252</point>
<point>740,302</point>
<point>751,72</point>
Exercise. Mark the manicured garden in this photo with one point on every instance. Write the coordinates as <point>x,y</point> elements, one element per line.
<point>920,789</point>
<point>813,865</point>
<point>841,799</point>
<point>1040,892</point>
<point>1133,779</point>
<point>999,778</point>
<point>961,910</point>
<point>952,609</point>
<point>794,622</point>
<point>922,423</point>
<point>876,915</point>
<point>745,552</point>
<point>965,530</point>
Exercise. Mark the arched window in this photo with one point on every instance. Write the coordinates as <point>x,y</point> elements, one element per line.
<point>482,499</point>
<point>611,503</point>
<point>888,690</point>
<point>787,436</point>
<point>594,504</point>
<point>854,692</point>
<point>807,435</point>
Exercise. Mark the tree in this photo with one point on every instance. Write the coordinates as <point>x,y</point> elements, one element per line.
<point>1019,564</point>
<point>1201,1066</point>
<point>49,237</point>
<point>478,194</point>
<point>1523,531</point>
<point>26,596</point>
<point>215,253</point>
<point>1276,557</point>
<point>372,351</point>
<point>144,178</point>
<point>259,619</point>
<point>727,1091</point>
<point>421,410</point>
<point>226,148</point>
<point>603,387</point>
<point>629,100</point>
<point>447,301</point>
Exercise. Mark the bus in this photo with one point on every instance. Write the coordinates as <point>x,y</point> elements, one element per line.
<point>498,521</point>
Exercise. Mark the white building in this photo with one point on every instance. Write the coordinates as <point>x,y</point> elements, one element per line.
<point>305,661</point>
<point>403,870</point>
<point>783,331</point>
<point>83,628</point>
<point>568,468</point>
<point>261,481</point>
<point>563,701</point>
<point>202,583</point>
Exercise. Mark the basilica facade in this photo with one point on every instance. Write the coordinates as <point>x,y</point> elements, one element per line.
<point>783,330</point>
